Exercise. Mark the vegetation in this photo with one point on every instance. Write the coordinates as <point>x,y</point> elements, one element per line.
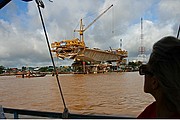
<point>2,68</point>
<point>44,69</point>
<point>131,66</point>
<point>135,64</point>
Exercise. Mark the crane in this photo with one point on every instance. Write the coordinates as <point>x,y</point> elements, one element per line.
<point>82,29</point>
<point>70,48</point>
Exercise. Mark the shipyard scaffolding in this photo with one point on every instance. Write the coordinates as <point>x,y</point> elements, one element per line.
<point>96,60</point>
<point>87,60</point>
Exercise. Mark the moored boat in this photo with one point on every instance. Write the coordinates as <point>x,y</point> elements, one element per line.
<point>30,74</point>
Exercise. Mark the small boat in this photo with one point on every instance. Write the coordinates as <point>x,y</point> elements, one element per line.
<point>37,75</point>
<point>30,74</point>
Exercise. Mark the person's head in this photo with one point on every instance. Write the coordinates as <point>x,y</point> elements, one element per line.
<point>162,72</point>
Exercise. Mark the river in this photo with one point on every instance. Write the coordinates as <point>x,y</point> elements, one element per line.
<point>109,93</point>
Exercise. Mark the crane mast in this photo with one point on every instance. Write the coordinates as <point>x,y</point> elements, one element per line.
<point>70,48</point>
<point>82,29</point>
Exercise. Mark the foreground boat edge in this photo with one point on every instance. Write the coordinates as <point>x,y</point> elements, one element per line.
<point>17,112</point>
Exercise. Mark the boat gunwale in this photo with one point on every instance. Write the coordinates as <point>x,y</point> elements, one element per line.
<point>18,112</point>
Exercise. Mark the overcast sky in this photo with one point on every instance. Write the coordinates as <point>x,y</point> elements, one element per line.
<point>23,43</point>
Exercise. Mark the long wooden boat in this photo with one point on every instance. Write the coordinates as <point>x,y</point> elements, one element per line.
<point>31,75</point>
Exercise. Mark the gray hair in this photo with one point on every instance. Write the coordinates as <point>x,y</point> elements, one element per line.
<point>165,65</point>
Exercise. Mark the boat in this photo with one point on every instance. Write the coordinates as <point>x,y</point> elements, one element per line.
<point>18,114</point>
<point>37,75</point>
<point>30,74</point>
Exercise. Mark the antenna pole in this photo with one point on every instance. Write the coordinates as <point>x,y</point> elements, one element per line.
<point>178,32</point>
<point>120,45</point>
<point>142,48</point>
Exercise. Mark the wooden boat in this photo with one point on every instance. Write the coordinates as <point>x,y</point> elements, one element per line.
<point>37,75</point>
<point>30,74</point>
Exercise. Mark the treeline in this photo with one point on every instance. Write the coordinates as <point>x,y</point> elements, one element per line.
<point>2,68</point>
<point>40,69</point>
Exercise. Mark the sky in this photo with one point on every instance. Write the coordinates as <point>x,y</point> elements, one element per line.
<point>23,43</point>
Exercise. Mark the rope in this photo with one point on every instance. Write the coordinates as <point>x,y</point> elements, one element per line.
<point>178,32</point>
<point>65,113</point>
<point>112,21</point>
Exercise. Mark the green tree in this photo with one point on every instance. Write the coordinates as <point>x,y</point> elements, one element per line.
<point>134,64</point>
<point>2,69</point>
<point>43,69</point>
<point>23,68</point>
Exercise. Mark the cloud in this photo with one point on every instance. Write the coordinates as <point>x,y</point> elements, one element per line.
<point>169,10</point>
<point>23,43</point>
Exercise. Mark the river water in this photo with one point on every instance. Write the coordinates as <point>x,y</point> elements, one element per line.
<point>109,93</point>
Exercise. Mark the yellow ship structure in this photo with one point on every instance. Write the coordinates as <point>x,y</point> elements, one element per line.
<point>87,59</point>
<point>75,49</point>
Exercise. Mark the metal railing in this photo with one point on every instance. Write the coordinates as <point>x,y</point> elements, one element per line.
<point>38,114</point>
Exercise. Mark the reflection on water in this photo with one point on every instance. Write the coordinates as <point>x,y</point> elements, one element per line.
<point>108,93</point>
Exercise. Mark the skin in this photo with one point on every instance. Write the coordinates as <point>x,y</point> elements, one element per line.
<point>152,86</point>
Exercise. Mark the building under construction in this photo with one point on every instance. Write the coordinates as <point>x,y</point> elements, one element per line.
<point>87,60</point>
